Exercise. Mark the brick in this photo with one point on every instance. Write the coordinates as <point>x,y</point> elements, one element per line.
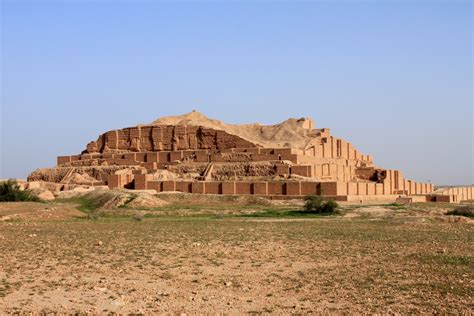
<point>260,188</point>
<point>378,189</point>
<point>164,156</point>
<point>197,187</point>
<point>370,188</point>
<point>309,188</point>
<point>228,187</point>
<point>252,150</point>
<point>282,151</point>
<point>130,156</point>
<point>202,156</point>
<point>302,170</point>
<point>243,188</point>
<point>141,157</point>
<point>328,188</point>
<point>169,186</point>
<point>341,188</point>
<point>140,181</point>
<point>352,188</point>
<point>267,151</point>
<point>63,159</point>
<point>184,186</point>
<point>276,188</point>
<point>176,155</point>
<point>292,157</point>
<point>150,165</point>
<point>217,158</point>
<point>293,188</point>
<point>212,188</point>
<point>362,188</point>
<point>113,181</point>
<point>264,157</point>
<point>281,169</point>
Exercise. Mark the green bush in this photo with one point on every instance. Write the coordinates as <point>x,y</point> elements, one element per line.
<point>467,211</point>
<point>313,202</point>
<point>316,204</point>
<point>10,192</point>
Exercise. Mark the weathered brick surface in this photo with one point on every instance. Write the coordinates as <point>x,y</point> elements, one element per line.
<point>260,188</point>
<point>212,188</point>
<point>165,137</point>
<point>309,188</point>
<point>185,186</point>
<point>293,188</point>
<point>276,188</point>
<point>197,187</point>
<point>228,187</point>
<point>243,188</point>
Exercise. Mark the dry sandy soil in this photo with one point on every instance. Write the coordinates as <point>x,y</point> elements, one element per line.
<point>191,259</point>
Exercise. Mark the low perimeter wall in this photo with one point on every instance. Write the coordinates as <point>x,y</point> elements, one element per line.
<point>271,188</point>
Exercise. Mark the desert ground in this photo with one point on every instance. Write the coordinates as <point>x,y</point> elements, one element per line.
<point>217,256</point>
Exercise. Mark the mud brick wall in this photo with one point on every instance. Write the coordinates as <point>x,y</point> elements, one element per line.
<point>271,188</point>
<point>329,188</point>
<point>276,188</point>
<point>140,181</point>
<point>212,187</point>
<point>228,188</point>
<point>115,181</point>
<point>260,188</point>
<point>184,186</point>
<point>302,170</point>
<point>198,187</point>
<point>165,137</point>
<point>63,159</point>
<point>281,169</point>
<point>308,188</point>
<point>332,147</point>
<point>164,157</point>
<point>169,185</point>
<point>293,188</point>
<point>459,194</point>
<point>291,157</point>
<point>361,188</point>
<point>243,188</point>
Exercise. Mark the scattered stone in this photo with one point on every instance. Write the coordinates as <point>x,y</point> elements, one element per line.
<point>6,218</point>
<point>118,302</point>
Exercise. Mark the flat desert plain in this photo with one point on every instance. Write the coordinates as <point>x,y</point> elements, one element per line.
<point>237,259</point>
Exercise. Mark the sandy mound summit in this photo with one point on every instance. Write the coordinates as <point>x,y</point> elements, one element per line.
<point>295,133</point>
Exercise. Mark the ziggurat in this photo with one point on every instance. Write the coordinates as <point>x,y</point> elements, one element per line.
<point>193,154</point>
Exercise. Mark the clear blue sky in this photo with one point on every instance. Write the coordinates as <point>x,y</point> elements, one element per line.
<point>393,77</point>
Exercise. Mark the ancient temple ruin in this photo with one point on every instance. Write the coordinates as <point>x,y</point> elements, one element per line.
<point>193,154</point>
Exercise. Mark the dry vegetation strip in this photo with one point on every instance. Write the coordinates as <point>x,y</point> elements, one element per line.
<point>251,265</point>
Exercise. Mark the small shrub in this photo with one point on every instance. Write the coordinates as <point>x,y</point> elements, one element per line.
<point>329,207</point>
<point>10,192</point>
<point>313,202</point>
<point>467,211</point>
<point>316,204</point>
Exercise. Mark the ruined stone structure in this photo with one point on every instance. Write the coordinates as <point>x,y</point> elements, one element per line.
<point>197,155</point>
